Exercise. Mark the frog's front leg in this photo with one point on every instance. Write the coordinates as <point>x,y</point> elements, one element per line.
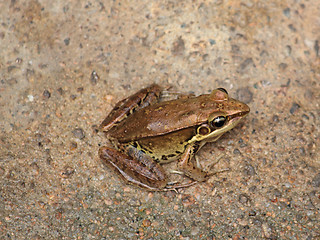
<point>122,109</point>
<point>188,167</point>
<point>136,168</point>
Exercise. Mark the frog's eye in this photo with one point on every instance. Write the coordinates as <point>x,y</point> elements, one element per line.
<point>223,90</point>
<point>218,122</point>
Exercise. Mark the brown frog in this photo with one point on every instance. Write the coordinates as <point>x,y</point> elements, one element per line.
<point>147,133</point>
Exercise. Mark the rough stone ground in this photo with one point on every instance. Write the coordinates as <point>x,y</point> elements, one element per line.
<point>64,65</point>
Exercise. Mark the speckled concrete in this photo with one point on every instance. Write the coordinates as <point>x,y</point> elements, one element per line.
<point>63,66</point>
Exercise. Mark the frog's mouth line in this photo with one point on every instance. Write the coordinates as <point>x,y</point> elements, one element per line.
<point>236,117</point>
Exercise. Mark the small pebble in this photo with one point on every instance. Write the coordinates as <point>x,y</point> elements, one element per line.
<point>30,98</point>
<point>19,60</point>
<point>146,223</point>
<point>212,42</point>
<point>265,83</point>
<point>249,170</point>
<point>277,193</point>
<point>73,145</point>
<point>275,118</point>
<point>292,28</point>
<point>80,89</point>
<point>252,213</point>
<point>243,198</point>
<point>178,47</point>
<point>49,160</point>
<point>67,172</point>
<point>286,12</point>
<point>257,222</point>
<point>235,48</point>
<point>253,189</point>
<point>73,96</point>
<point>11,68</point>
<point>78,133</point>
<point>267,230</point>
<point>60,91</point>
<point>236,151</point>
<point>2,171</point>
<point>316,47</point>
<point>288,50</point>
<point>67,41</point>
<point>316,181</point>
<point>246,64</point>
<point>94,77</point>
<point>308,94</point>
<point>302,151</point>
<point>283,66</point>
<point>244,95</point>
<point>46,94</point>
<point>294,107</point>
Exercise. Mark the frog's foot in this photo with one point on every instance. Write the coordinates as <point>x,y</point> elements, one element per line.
<point>210,174</point>
<point>209,170</point>
<point>173,186</point>
<point>211,165</point>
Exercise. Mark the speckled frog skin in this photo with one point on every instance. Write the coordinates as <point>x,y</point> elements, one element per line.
<point>146,133</point>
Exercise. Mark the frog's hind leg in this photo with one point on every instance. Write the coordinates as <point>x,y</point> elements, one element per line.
<point>138,169</point>
<point>140,99</point>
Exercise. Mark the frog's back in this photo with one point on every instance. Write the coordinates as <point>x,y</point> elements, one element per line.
<point>163,118</point>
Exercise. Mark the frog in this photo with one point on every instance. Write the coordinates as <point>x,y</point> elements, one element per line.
<point>146,133</point>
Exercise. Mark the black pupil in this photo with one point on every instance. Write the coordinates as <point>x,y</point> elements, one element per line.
<point>219,121</point>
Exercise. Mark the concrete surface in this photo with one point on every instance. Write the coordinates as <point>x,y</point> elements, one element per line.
<point>64,65</point>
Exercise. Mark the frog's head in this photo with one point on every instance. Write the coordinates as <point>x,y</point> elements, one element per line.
<point>225,115</point>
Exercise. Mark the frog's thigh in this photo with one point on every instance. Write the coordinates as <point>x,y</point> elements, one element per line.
<point>188,167</point>
<point>125,107</point>
<point>141,171</point>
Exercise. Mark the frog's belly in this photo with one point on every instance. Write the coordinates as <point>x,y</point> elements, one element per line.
<point>165,148</point>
